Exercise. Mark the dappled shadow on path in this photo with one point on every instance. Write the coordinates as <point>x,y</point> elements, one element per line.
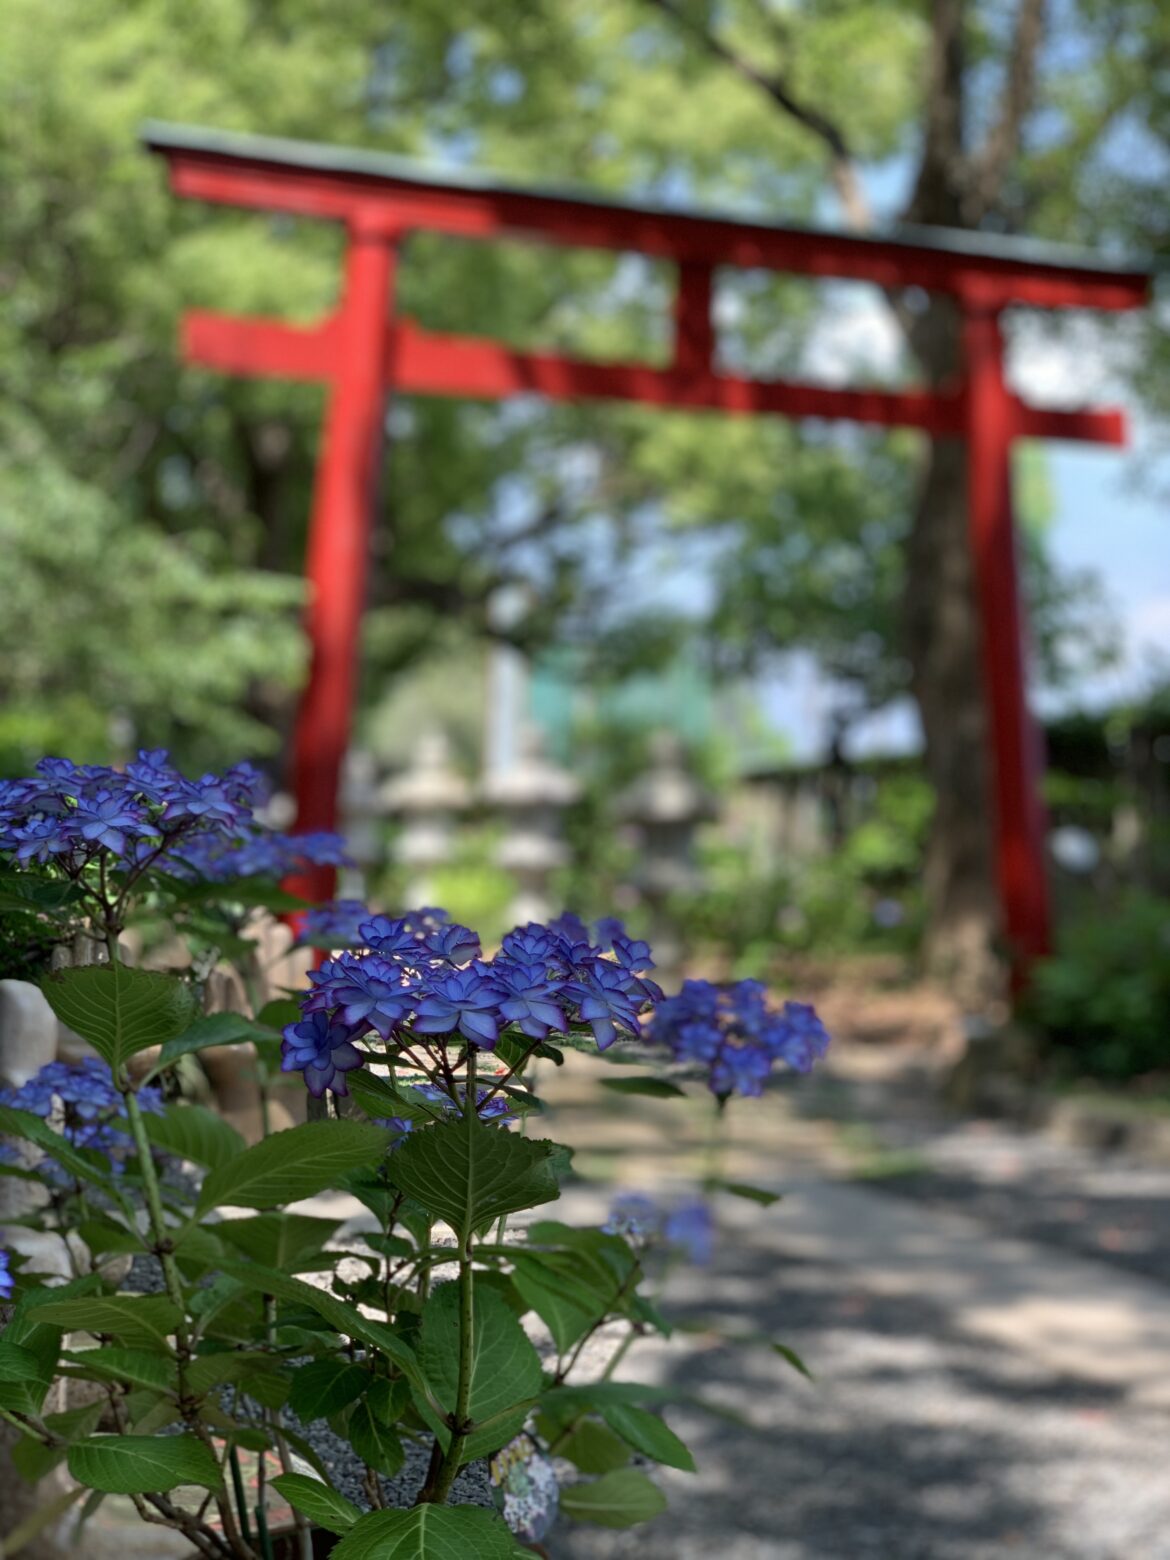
<point>1128,1228</point>
<point>1015,1180</point>
<point>958,1413</point>
<point>915,1442</point>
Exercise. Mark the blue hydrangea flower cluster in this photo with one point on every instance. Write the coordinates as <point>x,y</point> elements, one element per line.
<point>334,925</point>
<point>688,1228</point>
<point>421,975</point>
<point>69,815</point>
<point>7,1282</point>
<point>733,1033</point>
<point>83,1096</point>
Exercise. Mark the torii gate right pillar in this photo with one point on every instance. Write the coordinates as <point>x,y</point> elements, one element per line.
<point>1016,739</point>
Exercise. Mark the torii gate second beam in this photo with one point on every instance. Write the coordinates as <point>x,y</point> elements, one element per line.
<point>365,351</point>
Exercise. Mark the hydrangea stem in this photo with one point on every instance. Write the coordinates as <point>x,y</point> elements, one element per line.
<point>154,1206</point>
<point>274,1420</point>
<point>164,1249</point>
<point>615,1360</point>
<point>437,1489</point>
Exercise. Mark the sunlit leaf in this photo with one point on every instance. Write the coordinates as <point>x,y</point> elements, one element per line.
<point>469,1177</point>
<point>428,1533</point>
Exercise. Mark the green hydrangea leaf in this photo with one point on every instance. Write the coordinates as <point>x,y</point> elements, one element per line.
<point>89,1168</point>
<point>647,1434</point>
<point>191,1132</point>
<point>317,1501</point>
<point>654,1088</point>
<point>506,1373</point>
<point>120,1010</point>
<point>142,1464</point>
<point>375,1442</point>
<point>756,1194</point>
<point>593,1448</point>
<point>293,1164</point>
<point>286,1241</point>
<point>324,1386</point>
<point>428,1533</point>
<point>617,1500</point>
<point>344,1319</point>
<point>135,1367</point>
<point>468,1178</point>
<point>140,1321</point>
<point>211,1029</point>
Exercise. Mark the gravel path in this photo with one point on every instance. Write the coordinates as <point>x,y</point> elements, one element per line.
<point>1095,1204</point>
<point>916,1442</point>
<point>975,1397</point>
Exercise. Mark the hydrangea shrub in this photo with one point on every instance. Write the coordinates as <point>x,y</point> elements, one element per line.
<point>457,1319</point>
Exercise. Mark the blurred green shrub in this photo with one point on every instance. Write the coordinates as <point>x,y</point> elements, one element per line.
<point>1086,800</point>
<point>866,896</point>
<point>1105,995</point>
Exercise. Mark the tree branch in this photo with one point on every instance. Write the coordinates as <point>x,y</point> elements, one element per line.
<point>990,165</point>
<point>546,519</point>
<point>842,167</point>
<point>942,176</point>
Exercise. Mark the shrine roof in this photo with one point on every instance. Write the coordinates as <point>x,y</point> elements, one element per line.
<point>523,208</point>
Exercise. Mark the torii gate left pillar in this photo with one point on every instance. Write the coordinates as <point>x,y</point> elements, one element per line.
<point>344,503</point>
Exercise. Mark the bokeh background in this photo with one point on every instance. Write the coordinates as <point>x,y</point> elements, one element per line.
<point>675,667</point>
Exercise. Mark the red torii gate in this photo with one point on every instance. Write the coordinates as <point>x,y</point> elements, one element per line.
<point>365,350</point>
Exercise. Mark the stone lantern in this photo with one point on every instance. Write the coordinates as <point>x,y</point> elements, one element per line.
<point>429,798</point>
<point>532,795</point>
<point>665,805</point>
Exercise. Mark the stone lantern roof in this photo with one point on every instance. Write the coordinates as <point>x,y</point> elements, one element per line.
<point>431,784</point>
<point>667,793</point>
<point>534,780</point>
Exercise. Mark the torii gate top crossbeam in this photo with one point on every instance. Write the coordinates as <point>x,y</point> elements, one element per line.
<point>364,350</point>
<point>308,179</point>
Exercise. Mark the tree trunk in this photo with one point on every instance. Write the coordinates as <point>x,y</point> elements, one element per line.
<point>943,642</point>
<point>958,185</point>
<point>942,636</point>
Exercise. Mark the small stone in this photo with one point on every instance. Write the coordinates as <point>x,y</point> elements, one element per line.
<point>28,1032</point>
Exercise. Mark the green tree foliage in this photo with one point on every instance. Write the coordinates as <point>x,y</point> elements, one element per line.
<point>112,628</point>
<point>190,492</point>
